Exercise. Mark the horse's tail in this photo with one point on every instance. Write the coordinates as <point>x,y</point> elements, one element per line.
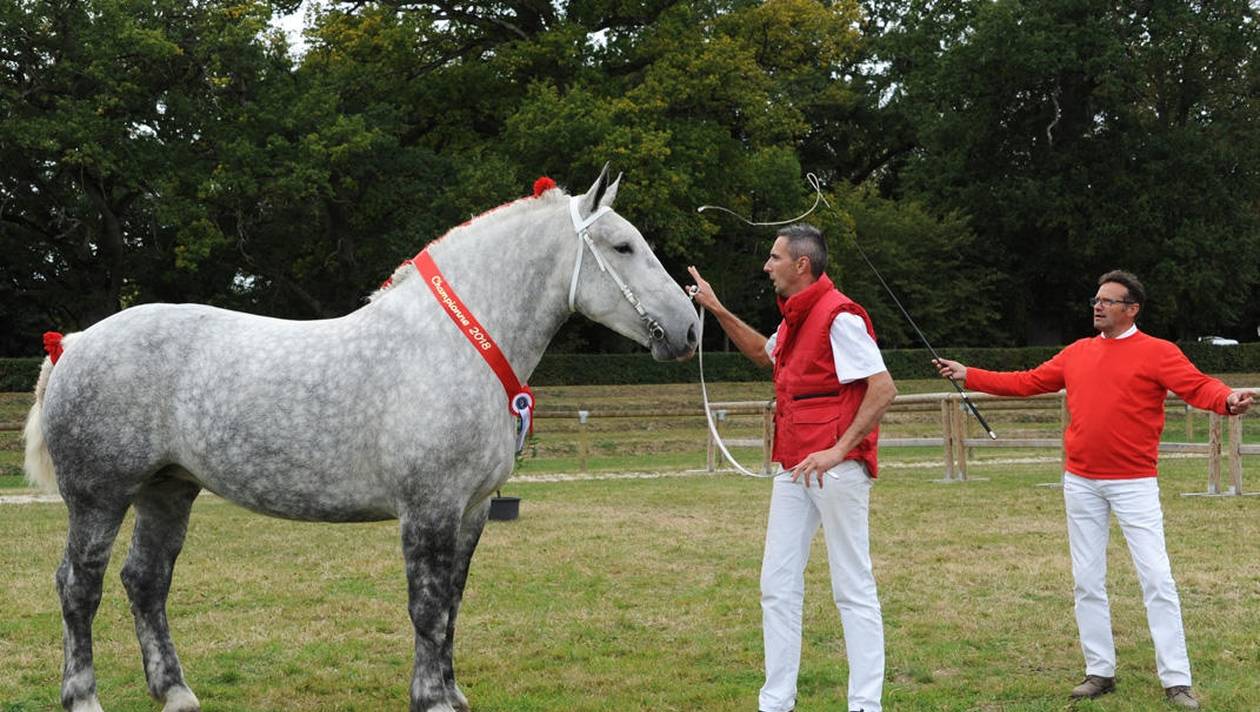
<point>40,471</point>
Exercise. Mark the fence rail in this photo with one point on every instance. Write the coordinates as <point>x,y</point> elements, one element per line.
<point>956,441</point>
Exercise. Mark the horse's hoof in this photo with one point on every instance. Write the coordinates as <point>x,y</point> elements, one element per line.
<point>457,700</point>
<point>90,704</point>
<point>181,699</point>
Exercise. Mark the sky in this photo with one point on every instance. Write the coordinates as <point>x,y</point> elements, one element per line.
<point>292,26</point>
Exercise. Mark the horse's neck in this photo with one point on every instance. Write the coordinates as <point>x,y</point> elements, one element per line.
<point>513,277</point>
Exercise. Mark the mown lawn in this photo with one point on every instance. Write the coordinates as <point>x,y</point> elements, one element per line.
<point>622,595</point>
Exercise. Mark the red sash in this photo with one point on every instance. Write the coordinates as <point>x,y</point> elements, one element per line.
<point>520,397</point>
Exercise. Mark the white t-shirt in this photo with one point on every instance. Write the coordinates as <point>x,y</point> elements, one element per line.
<point>855,352</point>
<point>1127,333</point>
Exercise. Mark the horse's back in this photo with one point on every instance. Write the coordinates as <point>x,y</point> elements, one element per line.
<point>150,385</point>
<point>143,352</point>
<point>303,419</point>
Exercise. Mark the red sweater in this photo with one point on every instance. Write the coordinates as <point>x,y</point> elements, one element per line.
<point>1115,397</point>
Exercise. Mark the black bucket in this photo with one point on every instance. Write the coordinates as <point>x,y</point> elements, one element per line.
<point>503,509</point>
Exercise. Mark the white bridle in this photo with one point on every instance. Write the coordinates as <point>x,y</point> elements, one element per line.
<point>581,225</point>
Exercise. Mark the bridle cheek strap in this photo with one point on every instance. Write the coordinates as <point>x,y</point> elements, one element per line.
<point>581,226</point>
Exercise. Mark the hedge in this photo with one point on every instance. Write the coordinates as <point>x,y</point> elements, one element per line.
<point>19,374</point>
<point>612,369</point>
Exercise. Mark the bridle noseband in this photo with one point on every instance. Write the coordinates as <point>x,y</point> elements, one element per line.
<point>582,225</point>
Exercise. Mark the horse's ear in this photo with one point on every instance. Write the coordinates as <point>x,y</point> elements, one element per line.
<point>611,193</point>
<point>599,193</point>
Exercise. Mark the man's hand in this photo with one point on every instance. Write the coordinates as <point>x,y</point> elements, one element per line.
<point>1239,402</point>
<point>748,340</point>
<point>817,464</point>
<point>950,369</point>
<point>702,292</point>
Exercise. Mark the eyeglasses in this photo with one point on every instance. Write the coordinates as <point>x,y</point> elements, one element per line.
<point>1094,301</point>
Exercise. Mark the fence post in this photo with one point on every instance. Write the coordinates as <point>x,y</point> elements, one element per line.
<point>710,461</point>
<point>1189,424</point>
<point>947,434</point>
<point>711,451</point>
<point>583,444</point>
<point>1064,417</point>
<point>767,436</point>
<point>1214,453</point>
<point>1235,453</point>
<point>960,437</point>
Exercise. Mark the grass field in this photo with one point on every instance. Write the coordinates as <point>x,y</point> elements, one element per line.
<point>641,594</point>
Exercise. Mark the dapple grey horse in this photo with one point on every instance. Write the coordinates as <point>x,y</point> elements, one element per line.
<point>387,412</point>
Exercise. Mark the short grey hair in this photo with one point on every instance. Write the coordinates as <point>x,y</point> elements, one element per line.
<point>805,240</point>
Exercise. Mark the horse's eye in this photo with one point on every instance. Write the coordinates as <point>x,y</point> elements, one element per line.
<point>624,248</point>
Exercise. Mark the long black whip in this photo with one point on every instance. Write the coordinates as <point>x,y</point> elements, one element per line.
<point>816,184</point>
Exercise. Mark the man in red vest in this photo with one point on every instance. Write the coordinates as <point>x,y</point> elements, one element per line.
<point>1116,384</point>
<point>831,389</point>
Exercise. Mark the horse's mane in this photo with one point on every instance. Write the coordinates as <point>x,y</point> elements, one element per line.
<point>494,215</point>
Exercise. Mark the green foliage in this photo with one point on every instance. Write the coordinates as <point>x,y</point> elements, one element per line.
<point>1223,359</point>
<point>640,368</point>
<point>923,259</point>
<point>991,157</point>
<point>1081,137</point>
<point>18,375</point>
<point>609,369</point>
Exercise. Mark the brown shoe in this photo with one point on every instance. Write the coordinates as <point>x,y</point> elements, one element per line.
<point>1093,686</point>
<point>1182,696</point>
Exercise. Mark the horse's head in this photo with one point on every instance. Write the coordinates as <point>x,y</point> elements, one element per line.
<point>618,281</point>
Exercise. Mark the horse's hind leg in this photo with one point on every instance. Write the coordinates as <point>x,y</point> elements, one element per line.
<point>162,509</point>
<point>466,542</point>
<point>94,523</point>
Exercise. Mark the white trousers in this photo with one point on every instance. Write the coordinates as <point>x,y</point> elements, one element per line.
<point>841,506</point>
<point>1137,508</point>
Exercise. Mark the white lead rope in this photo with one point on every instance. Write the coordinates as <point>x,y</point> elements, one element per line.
<point>708,412</point>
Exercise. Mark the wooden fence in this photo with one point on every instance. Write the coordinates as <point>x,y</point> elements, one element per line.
<point>956,428</point>
<point>956,439</point>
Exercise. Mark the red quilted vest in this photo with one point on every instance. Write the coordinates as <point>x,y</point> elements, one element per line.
<point>812,407</point>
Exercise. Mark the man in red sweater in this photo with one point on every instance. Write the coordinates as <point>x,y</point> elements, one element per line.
<point>831,388</point>
<point>1116,384</point>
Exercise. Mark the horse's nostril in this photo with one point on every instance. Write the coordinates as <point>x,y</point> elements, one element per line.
<point>691,336</point>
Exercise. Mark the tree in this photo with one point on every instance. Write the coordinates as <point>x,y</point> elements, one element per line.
<point>108,109</point>
<point>1082,136</point>
<point>160,151</point>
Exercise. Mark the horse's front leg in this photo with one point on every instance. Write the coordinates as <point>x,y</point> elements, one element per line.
<point>429,537</point>
<point>465,544</point>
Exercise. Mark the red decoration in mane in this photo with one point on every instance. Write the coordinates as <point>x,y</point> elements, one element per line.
<point>52,344</point>
<point>542,185</point>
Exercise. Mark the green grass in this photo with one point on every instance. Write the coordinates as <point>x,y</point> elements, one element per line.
<point>13,407</point>
<point>642,594</point>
